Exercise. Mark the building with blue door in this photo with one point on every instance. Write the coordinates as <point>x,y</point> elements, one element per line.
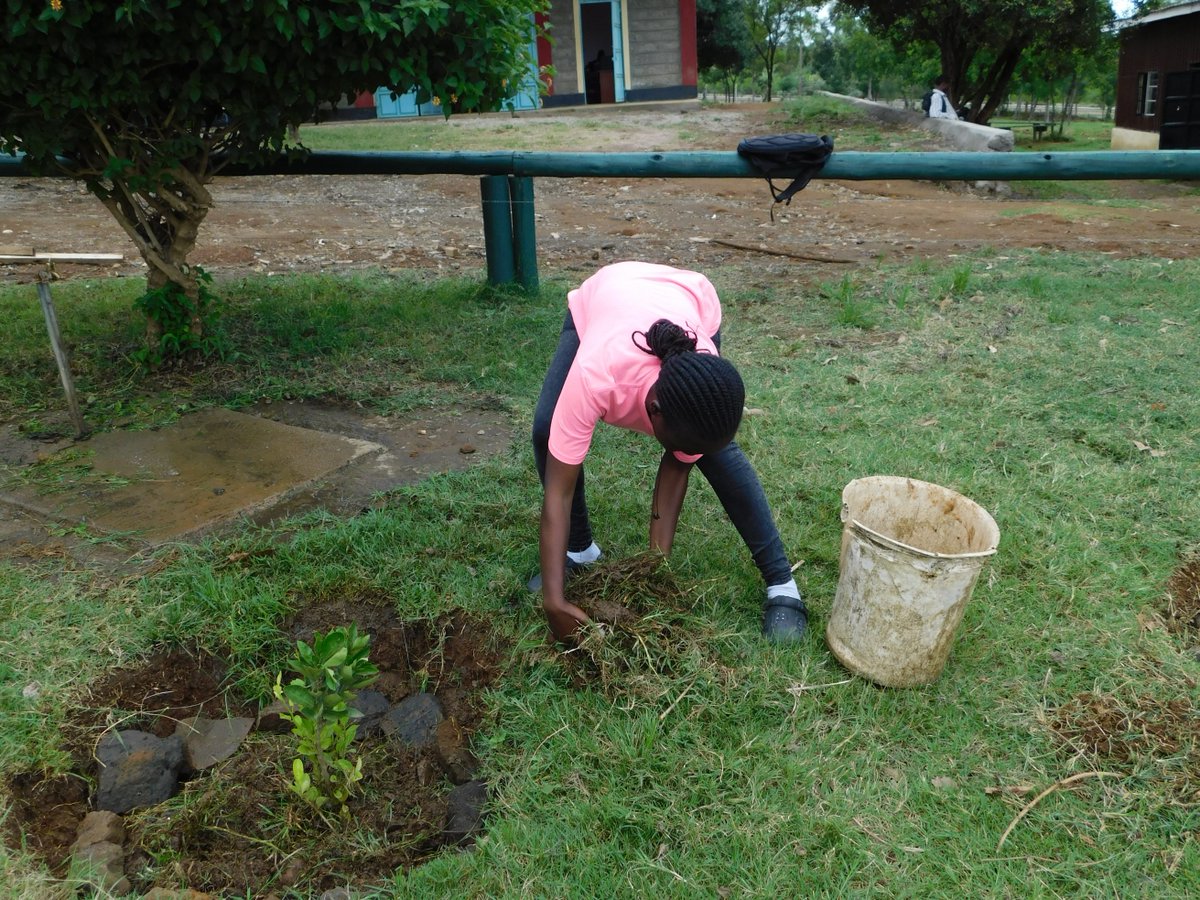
<point>600,51</point>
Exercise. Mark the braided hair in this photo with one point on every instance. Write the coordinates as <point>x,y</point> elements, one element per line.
<point>700,395</point>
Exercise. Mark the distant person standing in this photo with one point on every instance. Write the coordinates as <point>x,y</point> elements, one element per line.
<point>940,106</point>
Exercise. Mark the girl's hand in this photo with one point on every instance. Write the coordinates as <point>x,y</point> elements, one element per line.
<point>564,618</point>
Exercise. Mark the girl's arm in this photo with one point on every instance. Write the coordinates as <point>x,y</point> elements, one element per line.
<point>564,618</point>
<point>669,489</point>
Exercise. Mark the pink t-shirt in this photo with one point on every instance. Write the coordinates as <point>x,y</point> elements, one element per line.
<point>611,375</point>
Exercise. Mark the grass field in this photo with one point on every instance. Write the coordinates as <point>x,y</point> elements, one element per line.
<point>1053,389</point>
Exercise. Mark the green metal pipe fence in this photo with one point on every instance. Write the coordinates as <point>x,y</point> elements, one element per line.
<point>506,184</point>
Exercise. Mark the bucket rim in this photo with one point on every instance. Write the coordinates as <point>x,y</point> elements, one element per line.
<point>893,544</point>
<point>890,542</point>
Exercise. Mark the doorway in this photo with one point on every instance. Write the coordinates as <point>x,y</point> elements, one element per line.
<point>1181,112</point>
<point>602,51</point>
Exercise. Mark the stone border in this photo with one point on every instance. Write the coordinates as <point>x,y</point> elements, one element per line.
<point>963,135</point>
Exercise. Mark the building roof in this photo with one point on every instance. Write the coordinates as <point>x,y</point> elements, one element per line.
<point>1168,12</point>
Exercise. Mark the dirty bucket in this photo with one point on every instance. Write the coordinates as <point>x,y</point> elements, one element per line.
<point>911,554</point>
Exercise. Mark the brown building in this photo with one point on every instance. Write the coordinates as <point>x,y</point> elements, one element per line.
<point>1158,81</point>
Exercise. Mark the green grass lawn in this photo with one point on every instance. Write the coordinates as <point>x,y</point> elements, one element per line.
<point>1054,389</point>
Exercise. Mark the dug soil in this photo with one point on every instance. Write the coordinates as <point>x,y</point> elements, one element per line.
<point>235,829</point>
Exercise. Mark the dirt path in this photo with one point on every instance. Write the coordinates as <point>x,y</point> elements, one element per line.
<point>283,224</point>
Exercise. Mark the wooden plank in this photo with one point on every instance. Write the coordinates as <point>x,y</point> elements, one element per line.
<point>79,258</point>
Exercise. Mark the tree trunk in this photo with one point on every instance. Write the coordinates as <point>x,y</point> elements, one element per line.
<point>163,224</point>
<point>994,87</point>
<point>1071,98</point>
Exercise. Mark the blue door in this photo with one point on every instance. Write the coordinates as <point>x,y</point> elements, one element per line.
<point>528,94</point>
<point>618,45</point>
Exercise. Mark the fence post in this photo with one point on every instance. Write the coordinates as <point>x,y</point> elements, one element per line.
<point>497,229</point>
<point>60,353</point>
<point>524,234</point>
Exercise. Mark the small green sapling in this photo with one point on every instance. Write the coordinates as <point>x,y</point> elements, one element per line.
<point>332,670</point>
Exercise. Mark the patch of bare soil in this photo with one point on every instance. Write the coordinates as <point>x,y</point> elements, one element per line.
<point>279,224</point>
<point>1139,729</point>
<point>235,829</point>
<point>1182,610</point>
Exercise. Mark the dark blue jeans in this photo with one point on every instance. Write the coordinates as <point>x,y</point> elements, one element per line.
<point>729,472</point>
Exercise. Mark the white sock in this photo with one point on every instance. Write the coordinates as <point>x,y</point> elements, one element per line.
<point>788,589</point>
<point>590,555</point>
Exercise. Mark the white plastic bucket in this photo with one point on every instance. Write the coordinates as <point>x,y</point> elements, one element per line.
<point>911,554</point>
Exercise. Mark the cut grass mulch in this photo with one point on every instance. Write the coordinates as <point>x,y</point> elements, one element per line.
<point>641,630</point>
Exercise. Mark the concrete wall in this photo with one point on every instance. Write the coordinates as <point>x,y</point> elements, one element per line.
<point>963,135</point>
<point>562,31</point>
<point>1129,139</point>
<point>654,35</point>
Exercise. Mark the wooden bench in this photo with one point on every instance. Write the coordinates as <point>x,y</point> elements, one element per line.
<point>1038,128</point>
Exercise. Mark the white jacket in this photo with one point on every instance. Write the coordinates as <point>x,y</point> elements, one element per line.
<point>940,106</point>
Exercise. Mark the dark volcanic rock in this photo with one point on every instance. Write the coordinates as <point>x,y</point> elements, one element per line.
<point>464,811</point>
<point>137,769</point>
<point>414,720</point>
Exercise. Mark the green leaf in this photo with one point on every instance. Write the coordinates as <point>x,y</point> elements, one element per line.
<point>336,658</point>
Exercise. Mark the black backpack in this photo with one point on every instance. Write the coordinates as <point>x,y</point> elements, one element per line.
<point>927,101</point>
<point>797,156</point>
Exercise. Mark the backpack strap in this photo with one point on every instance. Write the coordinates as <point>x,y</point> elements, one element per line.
<point>799,183</point>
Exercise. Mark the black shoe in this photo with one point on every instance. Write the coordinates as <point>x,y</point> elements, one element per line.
<point>535,583</point>
<point>784,620</point>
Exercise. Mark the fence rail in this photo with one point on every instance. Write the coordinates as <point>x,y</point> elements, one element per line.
<point>846,165</point>
<point>506,185</point>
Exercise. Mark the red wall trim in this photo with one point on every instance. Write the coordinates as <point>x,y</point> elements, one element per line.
<point>545,52</point>
<point>687,41</point>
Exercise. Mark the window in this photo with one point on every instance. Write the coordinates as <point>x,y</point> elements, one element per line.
<point>1147,93</point>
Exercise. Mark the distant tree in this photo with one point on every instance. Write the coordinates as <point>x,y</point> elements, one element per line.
<point>144,101</point>
<point>1062,78</point>
<point>981,42</point>
<point>1100,74</point>
<point>722,39</point>
<point>852,60</point>
<point>773,24</point>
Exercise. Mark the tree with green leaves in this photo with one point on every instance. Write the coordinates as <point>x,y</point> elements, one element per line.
<point>981,42</point>
<point>722,39</point>
<point>773,24</point>
<point>1061,79</point>
<point>145,101</point>
<point>852,60</point>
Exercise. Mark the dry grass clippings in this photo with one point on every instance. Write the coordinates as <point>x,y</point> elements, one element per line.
<point>635,633</point>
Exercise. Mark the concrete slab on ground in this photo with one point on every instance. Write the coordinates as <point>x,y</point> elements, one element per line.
<point>183,479</point>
